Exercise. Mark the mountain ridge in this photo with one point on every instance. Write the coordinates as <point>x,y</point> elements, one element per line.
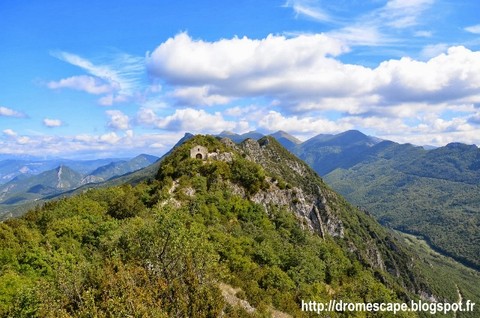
<point>28,189</point>
<point>251,215</point>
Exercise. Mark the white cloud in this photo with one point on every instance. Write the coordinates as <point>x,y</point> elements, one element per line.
<point>382,25</point>
<point>84,83</point>
<point>146,116</point>
<point>404,13</point>
<point>306,126</point>
<point>111,138</point>
<point>91,146</point>
<point>189,119</point>
<point>308,9</point>
<point>23,140</point>
<point>102,71</point>
<point>198,96</point>
<point>52,122</point>
<point>182,60</point>
<point>275,66</point>
<point>360,35</point>
<point>9,132</point>
<point>301,77</point>
<point>446,77</point>
<point>118,120</point>
<point>475,29</point>
<point>195,121</point>
<point>302,74</point>
<point>111,99</point>
<point>475,118</point>
<point>238,111</point>
<point>8,112</point>
<point>120,78</point>
<point>442,133</point>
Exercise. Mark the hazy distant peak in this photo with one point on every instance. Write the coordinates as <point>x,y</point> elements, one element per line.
<point>283,134</point>
<point>227,133</point>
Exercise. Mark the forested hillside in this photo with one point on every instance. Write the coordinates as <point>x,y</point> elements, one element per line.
<point>433,193</point>
<point>251,217</point>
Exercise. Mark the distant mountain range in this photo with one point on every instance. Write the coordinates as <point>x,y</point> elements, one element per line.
<point>429,191</point>
<point>251,227</point>
<point>36,183</point>
<point>433,193</point>
<point>11,167</point>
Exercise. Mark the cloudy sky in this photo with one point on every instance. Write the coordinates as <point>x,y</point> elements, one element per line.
<point>101,78</point>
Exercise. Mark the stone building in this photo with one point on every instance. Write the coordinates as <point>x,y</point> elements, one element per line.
<point>199,152</point>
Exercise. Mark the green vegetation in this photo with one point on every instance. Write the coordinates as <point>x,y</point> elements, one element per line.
<point>162,248</point>
<point>447,278</point>
<point>432,194</point>
<point>24,192</point>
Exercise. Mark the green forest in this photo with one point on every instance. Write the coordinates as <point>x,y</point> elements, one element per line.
<point>434,194</point>
<point>166,246</point>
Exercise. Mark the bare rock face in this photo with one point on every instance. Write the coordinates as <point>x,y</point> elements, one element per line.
<point>229,143</point>
<point>221,156</point>
<point>316,206</point>
<point>309,205</point>
<point>282,181</point>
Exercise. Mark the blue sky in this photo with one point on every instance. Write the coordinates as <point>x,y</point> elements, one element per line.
<point>101,78</point>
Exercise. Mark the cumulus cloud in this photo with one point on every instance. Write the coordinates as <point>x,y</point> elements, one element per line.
<point>183,60</point>
<point>446,77</point>
<point>274,121</point>
<point>118,120</point>
<point>111,138</point>
<point>189,119</point>
<point>302,77</point>
<point>195,120</point>
<point>91,146</point>
<point>8,112</point>
<point>303,74</point>
<point>275,66</point>
<point>198,96</point>
<point>239,111</point>
<point>52,122</point>
<point>147,117</point>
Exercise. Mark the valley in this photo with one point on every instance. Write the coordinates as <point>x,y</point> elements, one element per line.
<point>259,176</point>
<point>433,192</point>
